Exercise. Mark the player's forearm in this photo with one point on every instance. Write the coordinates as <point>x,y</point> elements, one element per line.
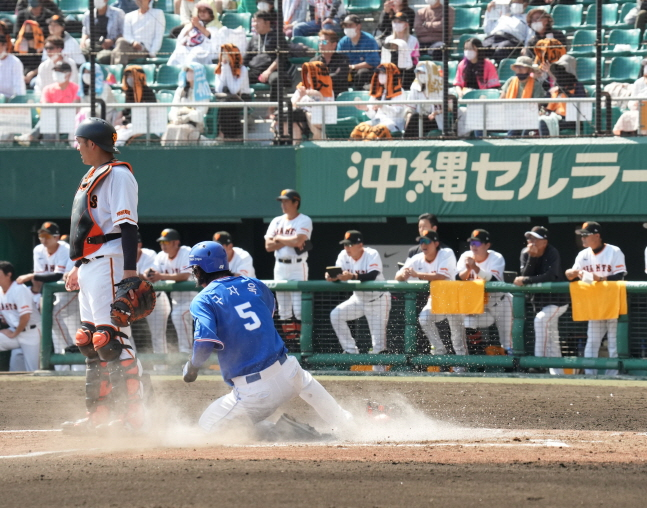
<point>271,245</point>
<point>22,324</point>
<point>201,352</point>
<point>289,241</point>
<point>366,277</point>
<point>431,276</point>
<point>48,277</point>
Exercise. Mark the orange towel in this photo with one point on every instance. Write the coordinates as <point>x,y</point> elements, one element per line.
<point>457,297</point>
<point>599,300</point>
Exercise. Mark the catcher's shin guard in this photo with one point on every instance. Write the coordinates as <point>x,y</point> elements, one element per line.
<point>83,339</point>
<point>126,394</point>
<point>97,389</point>
<point>106,343</point>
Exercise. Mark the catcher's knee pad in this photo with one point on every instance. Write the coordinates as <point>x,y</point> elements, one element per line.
<point>106,344</point>
<point>83,339</point>
<point>97,385</point>
<point>360,131</point>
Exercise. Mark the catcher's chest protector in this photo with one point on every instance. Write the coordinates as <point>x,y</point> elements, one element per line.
<point>83,225</point>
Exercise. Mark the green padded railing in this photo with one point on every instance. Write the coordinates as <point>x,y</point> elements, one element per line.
<point>410,358</point>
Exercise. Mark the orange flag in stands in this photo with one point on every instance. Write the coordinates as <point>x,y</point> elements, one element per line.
<point>457,296</point>
<point>599,300</point>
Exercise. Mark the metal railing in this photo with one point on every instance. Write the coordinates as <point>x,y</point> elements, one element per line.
<point>404,345</point>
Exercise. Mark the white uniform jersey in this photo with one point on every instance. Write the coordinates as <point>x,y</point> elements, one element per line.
<point>369,262</point>
<point>609,261</point>
<point>146,260</point>
<point>242,263</point>
<point>116,203</point>
<point>444,263</point>
<point>490,269</point>
<point>17,302</point>
<point>163,264</point>
<point>281,225</point>
<point>59,262</point>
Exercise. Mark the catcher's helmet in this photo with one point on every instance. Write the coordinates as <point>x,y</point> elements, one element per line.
<point>210,256</point>
<point>100,132</point>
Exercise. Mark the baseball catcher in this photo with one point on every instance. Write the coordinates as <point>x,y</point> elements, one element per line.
<point>134,299</point>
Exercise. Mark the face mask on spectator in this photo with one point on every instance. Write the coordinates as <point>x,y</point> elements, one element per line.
<point>382,79</point>
<point>99,4</point>
<point>59,77</point>
<point>470,54</point>
<point>537,26</point>
<point>522,76</point>
<point>350,32</point>
<point>398,27</point>
<point>130,81</point>
<point>86,78</point>
<point>263,6</point>
<point>516,8</point>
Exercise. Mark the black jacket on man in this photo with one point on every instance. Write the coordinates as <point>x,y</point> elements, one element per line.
<point>545,268</point>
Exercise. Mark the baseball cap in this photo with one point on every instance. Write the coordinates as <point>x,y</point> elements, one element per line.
<point>51,228</point>
<point>480,235</point>
<point>589,228</point>
<point>222,237</point>
<point>168,235</point>
<point>537,232</point>
<point>289,194</point>
<point>352,237</point>
<point>430,234</point>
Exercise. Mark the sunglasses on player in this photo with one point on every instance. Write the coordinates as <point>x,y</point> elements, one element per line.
<point>425,241</point>
<point>475,243</point>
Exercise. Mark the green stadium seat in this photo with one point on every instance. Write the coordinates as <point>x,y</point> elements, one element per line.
<point>167,77</point>
<point>149,71</point>
<point>3,99</point>
<point>312,42</point>
<point>609,15</point>
<point>624,10</point>
<point>546,7</point>
<point>468,20</point>
<point>72,6</point>
<point>9,16</point>
<point>504,70</point>
<point>120,96</point>
<point>567,17</point>
<point>625,36</point>
<point>624,69</point>
<point>585,70</point>
<point>464,3</point>
<point>172,20</point>
<point>260,87</point>
<point>482,94</point>
<point>235,19</point>
<point>164,96</point>
<point>248,6</point>
<point>211,122</point>
<point>29,98</point>
<point>116,70</point>
<point>348,117</point>
<point>584,43</point>
<point>210,69</point>
<point>363,6</point>
<point>167,48</point>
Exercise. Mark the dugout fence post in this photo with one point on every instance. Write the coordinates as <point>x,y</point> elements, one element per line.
<point>518,324</point>
<point>47,344</point>
<point>307,326</point>
<point>410,323</point>
<point>623,335</point>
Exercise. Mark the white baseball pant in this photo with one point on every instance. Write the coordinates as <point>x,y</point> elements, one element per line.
<point>157,322</point>
<point>29,342</point>
<point>289,302</point>
<point>547,333</point>
<point>253,402</point>
<point>595,334</point>
<point>377,314</point>
<point>182,320</point>
<point>498,310</point>
<point>428,322</point>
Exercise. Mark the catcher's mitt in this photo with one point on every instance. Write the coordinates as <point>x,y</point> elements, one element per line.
<point>135,299</point>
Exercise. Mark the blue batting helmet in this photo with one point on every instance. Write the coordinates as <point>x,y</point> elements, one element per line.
<point>210,256</point>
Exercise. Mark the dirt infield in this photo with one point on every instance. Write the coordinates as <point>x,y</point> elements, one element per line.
<point>460,441</point>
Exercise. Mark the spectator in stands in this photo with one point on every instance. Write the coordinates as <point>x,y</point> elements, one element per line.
<point>639,88</point>
<point>108,27</point>
<point>385,118</point>
<point>11,70</point>
<point>336,62</point>
<point>232,85</point>
<point>54,46</point>
<point>194,43</point>
<point>187,122</point>
<point>29,46</point>
<point>136,90</point>
<point>294,13</point>
<point>402,49</point>
<point>362,50</point>
<point>51,5</point>
<point>523,85</point>
<point>543,29</point>
<point>62,91</point>
<point>188,11</point>
<point>541,262</point>
<point>427,86</point>
<point>507,29</point>
<point>35,11</point>
<point>102,89</point>
<point>261,57</point>
<point>629,122</point>
<point>641,17</point>
<point>391,8</point>
<point>475,72</point>
<point>71,47</point>
<point>564,73</point>
<point>124,5</point>
<point>315,86</point>
<point>324,14</point>
<point>429,28</point>
<point>143,33</point>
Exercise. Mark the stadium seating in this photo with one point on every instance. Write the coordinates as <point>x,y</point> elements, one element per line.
<point>116,71</point>
<point>482,94</point>
<point>167,48</point>
<point>504,69</point>
<point>29,97</point>
<point>172,20</point>
<point>585,70</point>
<point>211,76</point>
<point>166,77</point>
<point>73,6</point>
<point>584,43</point>
<point>10,16</point>
<point>624,69</point>
<point>624,10</point>
<point>363,6</point>
<point>235,19</point>
<point>165,96</point>
<point>248,6</point>
<point>348,117</point>
<point>625,36</point>
<point>567,17</point>
<point>609,15</point>
<point>312,42</point>
<point>468,20</point>
<point>149,71</point>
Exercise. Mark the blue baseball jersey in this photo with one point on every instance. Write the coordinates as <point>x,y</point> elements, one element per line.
<point>233,315</point>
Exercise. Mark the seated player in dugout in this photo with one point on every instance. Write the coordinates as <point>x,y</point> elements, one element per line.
<point>480,262</point>
<point>240,261</point>
<point>363,264</point>
<point>435,263</point>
